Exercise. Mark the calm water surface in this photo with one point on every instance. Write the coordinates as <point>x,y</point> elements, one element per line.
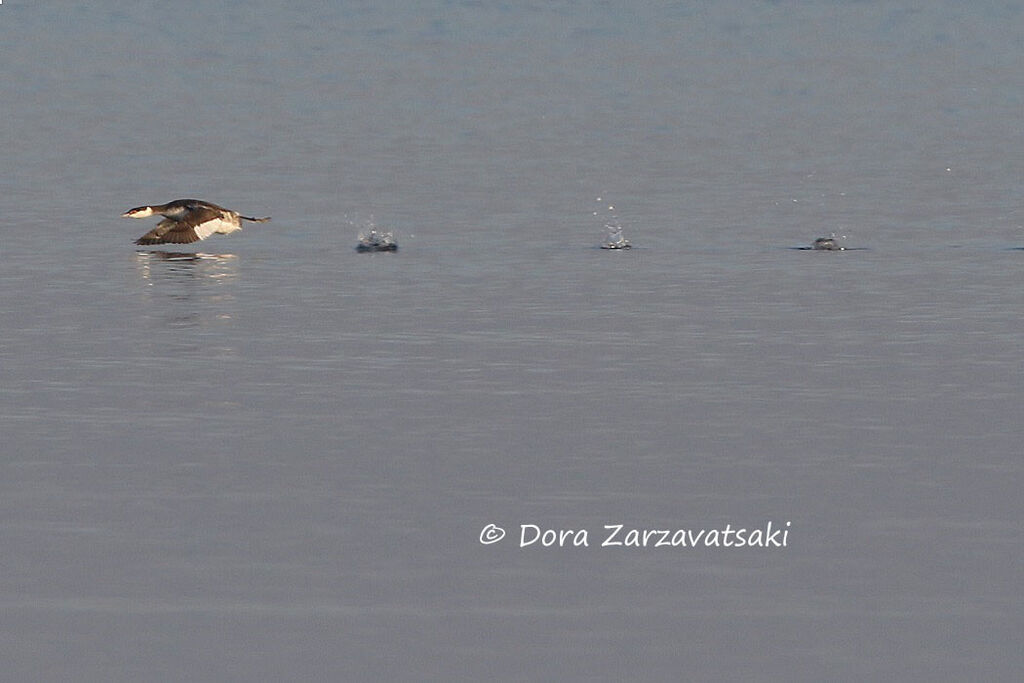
<point>274,462</point>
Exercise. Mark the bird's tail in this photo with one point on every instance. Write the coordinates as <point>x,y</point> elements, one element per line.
<point>255,220</point>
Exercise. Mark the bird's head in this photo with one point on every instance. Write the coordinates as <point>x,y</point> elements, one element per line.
<point>138,212</point>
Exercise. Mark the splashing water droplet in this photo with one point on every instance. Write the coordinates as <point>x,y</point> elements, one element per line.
<point>615,239</point>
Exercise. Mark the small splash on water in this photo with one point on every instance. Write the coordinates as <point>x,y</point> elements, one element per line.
<point>373,239</point>
<point>831,243</point>
<point>615,239</point>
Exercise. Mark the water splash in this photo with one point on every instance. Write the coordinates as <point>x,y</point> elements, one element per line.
<point>615,239</point>
<point>373,239</point>
<point>830,243</point>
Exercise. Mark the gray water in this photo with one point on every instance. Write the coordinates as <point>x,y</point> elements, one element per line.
<point>276,462</point>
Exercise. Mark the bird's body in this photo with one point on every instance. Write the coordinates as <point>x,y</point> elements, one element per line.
<point>188,220</point>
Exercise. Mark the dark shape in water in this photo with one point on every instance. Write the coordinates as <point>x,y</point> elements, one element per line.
<point>377,241</point>
<point>827,244</point>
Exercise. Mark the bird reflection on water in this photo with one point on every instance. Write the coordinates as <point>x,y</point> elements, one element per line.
<point>167,268</point>
<point>189,290</point>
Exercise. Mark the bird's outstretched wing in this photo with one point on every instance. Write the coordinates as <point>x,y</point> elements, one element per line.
<point>194,226</point>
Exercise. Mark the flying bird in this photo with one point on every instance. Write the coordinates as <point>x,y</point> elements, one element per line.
<point>188,220</point>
